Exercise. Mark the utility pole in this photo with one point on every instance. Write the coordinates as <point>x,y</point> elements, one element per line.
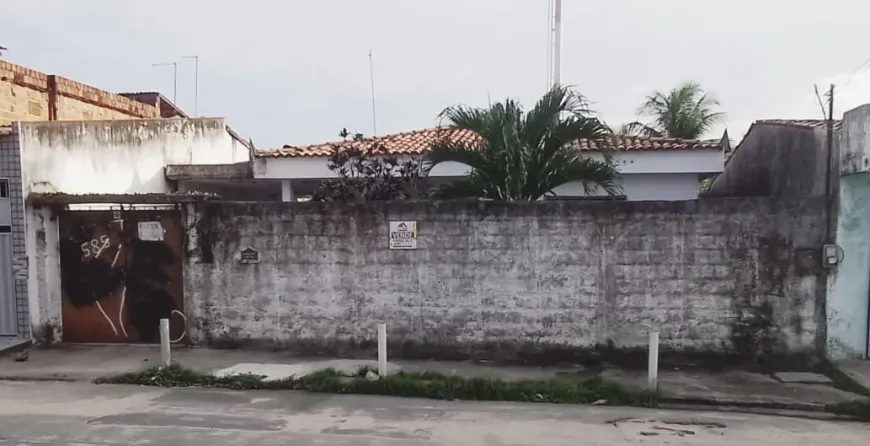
<point>829,186</point>
<point>557,43</point>
<point>195,84</point>
<point>174,78</point>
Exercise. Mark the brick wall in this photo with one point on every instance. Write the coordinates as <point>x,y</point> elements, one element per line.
<point>28,95</point>
<point>10,167</point>
<point>532,281</point>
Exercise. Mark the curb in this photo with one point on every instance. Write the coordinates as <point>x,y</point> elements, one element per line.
<point>790,413</point>
<point>768,405</point>
<point>15,346</point>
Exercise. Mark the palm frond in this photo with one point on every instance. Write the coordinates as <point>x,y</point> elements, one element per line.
<point>683,112</point>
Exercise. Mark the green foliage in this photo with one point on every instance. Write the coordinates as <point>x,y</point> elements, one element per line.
<point>524,155</point>
<point>365,173</point>
<point>683,112</point>
<point>420,385</point>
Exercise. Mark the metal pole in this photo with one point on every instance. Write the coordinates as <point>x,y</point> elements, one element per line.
<point>653,361</point>
<point>382,350</point>
<point>195,84</point>
<point>165,359</point>
<point>829,177</point>
<point>175,83</point>
<point>557,44</point>
<point>174,77</point>
<point>374,108</point>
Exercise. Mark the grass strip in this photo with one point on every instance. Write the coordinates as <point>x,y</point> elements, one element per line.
<point>416,385</point>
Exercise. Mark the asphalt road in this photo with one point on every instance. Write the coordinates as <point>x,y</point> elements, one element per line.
<point>51,413</point>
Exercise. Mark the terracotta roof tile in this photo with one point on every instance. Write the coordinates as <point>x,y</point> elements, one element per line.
<point>419,141</point>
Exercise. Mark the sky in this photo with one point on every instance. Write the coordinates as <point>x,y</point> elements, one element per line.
<point>297,72</point>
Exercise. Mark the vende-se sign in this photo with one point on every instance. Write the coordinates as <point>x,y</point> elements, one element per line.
<point>403,235</point>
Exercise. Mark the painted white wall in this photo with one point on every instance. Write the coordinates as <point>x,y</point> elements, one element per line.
<point>651,175</point>
<point>665,161</point>
<point>646,187</point>
<point>42,244</point>
<point>119,157</point>
<point>848,298</point>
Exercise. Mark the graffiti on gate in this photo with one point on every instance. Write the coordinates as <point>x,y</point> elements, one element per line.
<point>98,266</point>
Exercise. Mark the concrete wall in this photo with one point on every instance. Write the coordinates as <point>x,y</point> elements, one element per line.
<point>122,156</point>
<point>775,160</point>
<point>849,295</point>
<point>850,287</point>
<point>30,95</point>
<point>855,141</point>
<point>43,278</point>
<point>10,168</point>
<point>537,281</point>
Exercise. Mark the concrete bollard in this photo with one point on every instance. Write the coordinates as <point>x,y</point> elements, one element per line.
<point>653,369</point>
<point>382,349</point>
<point>165,359</point>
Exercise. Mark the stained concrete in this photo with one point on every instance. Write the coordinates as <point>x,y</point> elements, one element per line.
<point>736,387</point>
<point>87,363</point>
<point>858,371</point>
<point>539,282</point>
<point>60,414</point>
<point>276,372</point>
<point>802,377</point>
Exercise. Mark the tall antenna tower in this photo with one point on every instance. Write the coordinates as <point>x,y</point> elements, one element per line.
<point>554,43</point>
<point>557,42</point>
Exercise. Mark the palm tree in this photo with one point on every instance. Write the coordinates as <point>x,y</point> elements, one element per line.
<point>521,155</point>
<point>685,112</point>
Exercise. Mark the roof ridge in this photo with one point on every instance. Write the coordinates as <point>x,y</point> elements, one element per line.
<point>369,138</point>
<point>416,142</point>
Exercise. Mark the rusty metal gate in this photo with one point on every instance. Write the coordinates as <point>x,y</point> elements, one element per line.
<point>121,272</point>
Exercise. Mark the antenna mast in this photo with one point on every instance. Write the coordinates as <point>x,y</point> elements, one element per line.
<point>557,43</point>
<point>374,107</point>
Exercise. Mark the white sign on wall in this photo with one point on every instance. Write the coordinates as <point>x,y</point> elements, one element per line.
<point>403,235</point>
<point>151,231</point>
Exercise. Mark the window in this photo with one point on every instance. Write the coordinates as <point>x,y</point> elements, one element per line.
<point>5,229</point>
<point>4,188</point>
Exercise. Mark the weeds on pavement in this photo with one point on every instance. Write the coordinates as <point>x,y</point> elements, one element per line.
<point>419,385</point>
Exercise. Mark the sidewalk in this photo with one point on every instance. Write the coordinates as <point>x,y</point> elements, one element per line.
<point>729,388</point>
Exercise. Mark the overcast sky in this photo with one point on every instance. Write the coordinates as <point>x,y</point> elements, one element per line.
<point>296,72</point>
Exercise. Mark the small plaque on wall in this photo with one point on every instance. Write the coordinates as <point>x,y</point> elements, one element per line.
<point>151,231</point>
<point>249,256</point>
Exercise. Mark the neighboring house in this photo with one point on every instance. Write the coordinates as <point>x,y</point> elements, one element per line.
<point>778,158</point>
<point>58,175</point>
<point>29,95</point>
<point>788,159</point>
<point>155,99</point>
<point>650,168</point>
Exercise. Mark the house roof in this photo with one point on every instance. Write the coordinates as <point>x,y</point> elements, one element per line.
<point>802,123</point>
<point>167,108</point>
<point>419,141</point>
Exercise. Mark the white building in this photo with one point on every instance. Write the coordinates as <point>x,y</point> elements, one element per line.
<point>89,184</point>
<point>650,168</point>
